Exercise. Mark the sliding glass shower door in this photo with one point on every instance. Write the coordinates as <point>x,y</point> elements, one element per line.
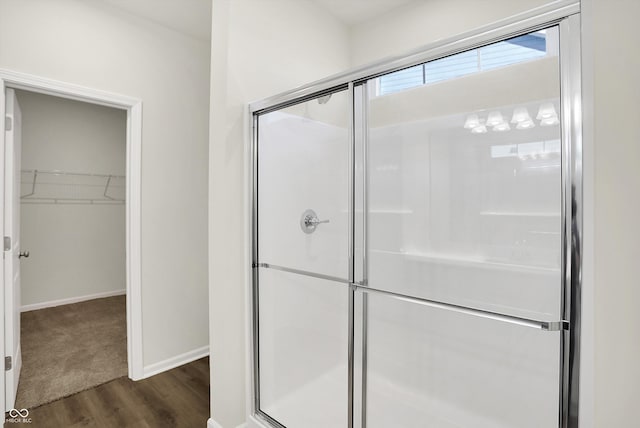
<point>464,243</point>
<point>302,280</point>
<point>415,245</point>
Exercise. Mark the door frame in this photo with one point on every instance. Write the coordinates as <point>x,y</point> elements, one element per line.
<point>133,107</point>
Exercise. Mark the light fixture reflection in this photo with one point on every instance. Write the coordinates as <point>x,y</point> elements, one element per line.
<point>521,114</point>
<point>525,124</point>
<point>480,129</point>
<point>502,127</point>
<point>472,121</point>
<point>546,116</point>
<point>549,121</point>
<point>495,118</point>
<point>546,111</point>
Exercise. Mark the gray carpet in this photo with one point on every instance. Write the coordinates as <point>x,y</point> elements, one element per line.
<point>69,348</point>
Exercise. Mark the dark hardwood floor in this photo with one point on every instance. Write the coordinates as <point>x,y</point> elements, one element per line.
<point>176,398</point>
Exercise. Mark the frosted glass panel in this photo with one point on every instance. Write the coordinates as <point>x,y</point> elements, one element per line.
<point>303,154</point>
<point>303,350</point>
<point>465,188</point>
<point>433,368</point>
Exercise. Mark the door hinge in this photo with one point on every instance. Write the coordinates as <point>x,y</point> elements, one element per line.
<point>7,243</point>
<point>7,123</point>
<point>7,363</point>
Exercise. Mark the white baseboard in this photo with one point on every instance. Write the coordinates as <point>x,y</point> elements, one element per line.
<point>252,422</point>
<point>173,362</point>
<point>52,303</point>
<point>213,424</point>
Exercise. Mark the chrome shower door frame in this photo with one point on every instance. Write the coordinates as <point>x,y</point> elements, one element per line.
<point>564,14</point>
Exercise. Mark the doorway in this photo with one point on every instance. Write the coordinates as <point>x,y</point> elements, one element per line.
<point>81,187</point>
<point>71,237</point>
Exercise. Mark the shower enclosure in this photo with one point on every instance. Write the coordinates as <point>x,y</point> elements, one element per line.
<point>416,238</point>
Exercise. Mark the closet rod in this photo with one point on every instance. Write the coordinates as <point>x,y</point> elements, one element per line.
<point>105,199</point>
<point>80,174</point>
<point>54,201</point>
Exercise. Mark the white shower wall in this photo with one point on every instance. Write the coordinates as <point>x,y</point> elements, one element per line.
<point>304,165</point>
<point>450,222</point>
<point>75,250</point>
<point>303,343</point>
<point>442,369</point>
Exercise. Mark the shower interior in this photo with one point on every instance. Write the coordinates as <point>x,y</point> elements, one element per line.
<point>410,246</point>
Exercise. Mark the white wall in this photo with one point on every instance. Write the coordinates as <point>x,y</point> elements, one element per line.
<point>75,250</point>
<point>421,22</point>
<point>67,135</point>
<point>259,48</point>
<point>611,88</point>
<point>94,44</point>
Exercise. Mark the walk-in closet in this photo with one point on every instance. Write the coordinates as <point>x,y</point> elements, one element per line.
<point>72,265</point>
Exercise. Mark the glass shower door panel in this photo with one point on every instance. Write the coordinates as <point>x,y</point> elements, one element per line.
<point>303,155</point>
<point>437,368</point>
<point>465,181</point>
<point>303,350</point>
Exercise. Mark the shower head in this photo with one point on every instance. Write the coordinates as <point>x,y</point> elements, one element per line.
<point>324,99</point>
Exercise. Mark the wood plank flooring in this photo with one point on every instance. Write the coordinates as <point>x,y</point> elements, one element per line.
<point>173,399</point>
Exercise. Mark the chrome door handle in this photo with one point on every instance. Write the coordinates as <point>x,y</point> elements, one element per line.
<point>309,221</point>
<point>23,254</point>
<point>314,221</point>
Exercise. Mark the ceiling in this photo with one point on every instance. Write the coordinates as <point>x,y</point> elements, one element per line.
<point>192,17</point>
<point>353,12</point>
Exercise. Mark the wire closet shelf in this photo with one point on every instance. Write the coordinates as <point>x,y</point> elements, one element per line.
<point>62,187</point>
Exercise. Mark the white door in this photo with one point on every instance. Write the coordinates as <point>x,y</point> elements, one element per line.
<point>12,247</point>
